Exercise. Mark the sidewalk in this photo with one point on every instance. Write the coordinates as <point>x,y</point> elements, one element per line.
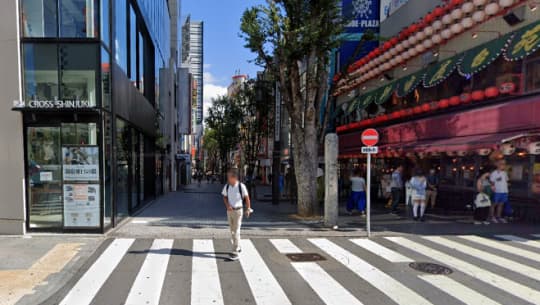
<point>32,268</point>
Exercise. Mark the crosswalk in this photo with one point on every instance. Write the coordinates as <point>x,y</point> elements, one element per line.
<point>502,269</point>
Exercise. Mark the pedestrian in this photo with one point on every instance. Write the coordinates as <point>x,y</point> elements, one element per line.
<point>419,185</point>
<point>357,199</point>
<point>235,195</point>
<point>499,178</point>
<point>432,187</point>
<point>396,185</point>
<point>482,202</point>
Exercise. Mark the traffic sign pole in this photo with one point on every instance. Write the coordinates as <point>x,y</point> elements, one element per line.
<point>368,196</point>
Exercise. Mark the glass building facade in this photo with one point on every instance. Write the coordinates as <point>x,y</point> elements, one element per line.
<point>90,83</point>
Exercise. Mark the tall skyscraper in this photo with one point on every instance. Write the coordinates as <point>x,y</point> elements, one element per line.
<point>192,56</point>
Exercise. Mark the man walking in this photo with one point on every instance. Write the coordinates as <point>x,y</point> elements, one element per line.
<point>235,194</point>
<point>432,186</point>
<point>499,179</point>
<point>397,188</point>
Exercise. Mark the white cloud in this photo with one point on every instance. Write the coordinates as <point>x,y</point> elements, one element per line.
<point>212,91</point>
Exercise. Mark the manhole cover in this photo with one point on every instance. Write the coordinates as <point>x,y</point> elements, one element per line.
<point>305,257</point>
<point>430,268</point>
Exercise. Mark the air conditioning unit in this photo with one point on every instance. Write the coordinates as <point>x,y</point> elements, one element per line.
<point>508,149</point>
<point>483,151</point>
<point>534,148</point>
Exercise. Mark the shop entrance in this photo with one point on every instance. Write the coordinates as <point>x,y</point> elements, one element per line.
<point>63,177</point>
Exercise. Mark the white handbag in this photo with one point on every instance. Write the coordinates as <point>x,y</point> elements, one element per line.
<point>482,200</point>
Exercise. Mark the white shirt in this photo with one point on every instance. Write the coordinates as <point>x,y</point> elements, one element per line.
<point>500,180</point>
<point>358,184</point>
<point>233,194</point>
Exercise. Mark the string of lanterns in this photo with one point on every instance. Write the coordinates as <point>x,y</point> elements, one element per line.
<point>435,28</point>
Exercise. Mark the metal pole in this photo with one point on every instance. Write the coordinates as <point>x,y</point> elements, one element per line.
<point>368,195</point>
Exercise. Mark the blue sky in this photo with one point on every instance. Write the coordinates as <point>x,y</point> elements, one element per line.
<point>223,48</point>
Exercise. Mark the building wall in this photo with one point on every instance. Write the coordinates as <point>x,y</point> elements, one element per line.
<point>405,15</point>
<point>12,213</point>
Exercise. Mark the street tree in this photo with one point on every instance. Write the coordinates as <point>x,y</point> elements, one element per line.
<point>211,147</point>
<point>293,39</point>
<point>253,124</point>
<point>224,118</point>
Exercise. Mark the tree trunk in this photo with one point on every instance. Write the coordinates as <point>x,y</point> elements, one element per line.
<point>305,160</point>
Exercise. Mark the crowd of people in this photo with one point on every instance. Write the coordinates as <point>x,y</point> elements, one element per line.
<point>491,202</point>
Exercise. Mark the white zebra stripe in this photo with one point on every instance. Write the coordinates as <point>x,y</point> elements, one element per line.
<point>396,291</point>
<point>521,291</point>
<point>504,247</point>
<point>89,284</point>
<point>523,241</point>
<point>488,257</point>
<point>457,290</point>
<point>327,288</point>
<point>285,246</point>
<point>146,289</point>
<point>387,254</point>
<point>263,284</point>
<point>205,284</point>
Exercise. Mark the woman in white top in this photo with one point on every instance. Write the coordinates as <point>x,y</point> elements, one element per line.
<point>419,184</point>
<point>357,200</point>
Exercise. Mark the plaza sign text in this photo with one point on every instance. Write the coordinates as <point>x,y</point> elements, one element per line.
<point>56,104</point>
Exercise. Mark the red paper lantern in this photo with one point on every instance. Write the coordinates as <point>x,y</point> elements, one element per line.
<point>444,103</point>
<point>429,18</point>
<point>454,101</point>
<point>403,113</point>
<point>387,45</point>
<point>426,107</point>
<point>434,105</point>
<point>385,117</point>
<point>395,115</point>
<point>465,98</point>
<point>394,41</point>
<point>454,3</point>
<point>492,92</point>
<point>478,95</point>
<point>403,34</point>
<point>413,28</point>
<point>438,12</point>
<point>507,88</point>
<point>417,109</point>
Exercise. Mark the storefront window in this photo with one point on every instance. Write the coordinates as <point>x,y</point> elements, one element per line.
<point>105,22</point>
<point>78,18</point>
<point>79,134</point>
<point>134,169</point>
<point>122,168</point>
<point>107,167</point>
<point>120,38</point>
<point>105,79</point>
<point>132,46</point>
<point>39,18</point>
<point>142,46</point>
<point>40,72</point>
<point>78,72</point>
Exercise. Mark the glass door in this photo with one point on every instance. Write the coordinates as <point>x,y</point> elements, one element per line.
<point>44,170</point>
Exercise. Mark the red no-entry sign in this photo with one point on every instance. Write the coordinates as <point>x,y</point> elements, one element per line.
<point>370,137</point>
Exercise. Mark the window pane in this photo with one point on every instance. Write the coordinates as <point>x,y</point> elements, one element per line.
<point>78,18</point>
<point>107,164</point>
<point>79,134</point>
<point>122,168</point>
<point>142,45</point>
<point>105,22</point>
<point>78,72</point>
<point>40,72</point>
<point>39,18</point>
<point>105,79</point>
<point>120,39</point>
<point>132,46</point>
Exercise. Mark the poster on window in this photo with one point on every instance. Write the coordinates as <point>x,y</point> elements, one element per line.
<point>535,188</point>
<point>80,163</point>
<point>81,205</point>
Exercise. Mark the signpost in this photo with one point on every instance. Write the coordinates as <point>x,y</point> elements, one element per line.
<point>370,138</point>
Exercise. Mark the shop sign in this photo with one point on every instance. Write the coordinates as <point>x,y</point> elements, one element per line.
<point>477,59</point>
<point>81,205</point>
<point>80,163</point>
<point>440,72</point>
<point>506,88</point>
<point>407,84</point>
<point>524,42</point>
<point>386,92</point>
<point>54,104</point>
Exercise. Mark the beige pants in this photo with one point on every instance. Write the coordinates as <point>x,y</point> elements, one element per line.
<point>235,223</point>
<point>431,197</point>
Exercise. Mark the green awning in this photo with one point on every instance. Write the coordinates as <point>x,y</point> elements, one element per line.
<point>366,99</point>
<point>439,72</point>
<point>408,83</point>
<point>476,59</point>
<point>353,104</point>
<point>525,41</point>
<point>384,93</point>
